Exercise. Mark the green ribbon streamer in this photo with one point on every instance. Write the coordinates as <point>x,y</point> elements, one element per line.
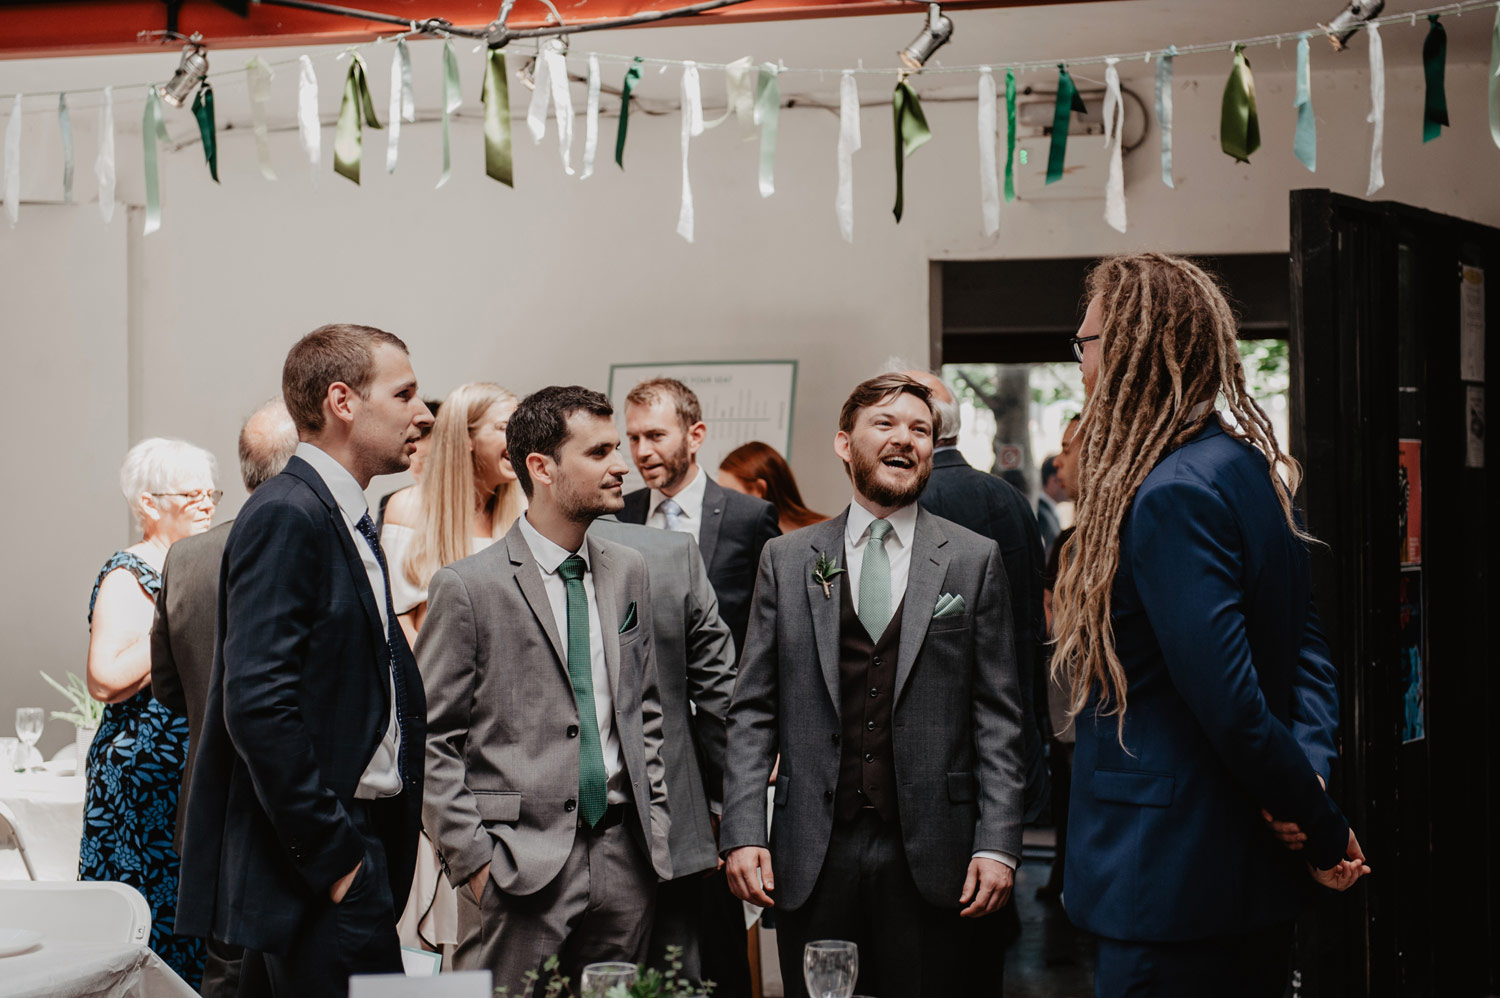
<point>911,134</point>
<point>1305,145</point>
<point>1239,124</point>
<point>1494,79</point>
<point>1010,135</point>
<point>65,124</point>
<point>1068,101</point>
<point>349,138</point>
<point>153,130</point>
<point>767,115</point>
<point>498,160</point>
<point>452,99</point>
<point>203,110</point>
<point>1434,61</point>
<point>632,77</point>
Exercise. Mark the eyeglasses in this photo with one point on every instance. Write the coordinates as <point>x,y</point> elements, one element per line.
<point>1077,342</point>
<point>211,496</point>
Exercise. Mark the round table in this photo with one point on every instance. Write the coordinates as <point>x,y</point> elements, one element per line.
<point>49,812</point>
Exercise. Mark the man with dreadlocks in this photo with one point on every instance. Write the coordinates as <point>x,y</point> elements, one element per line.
<point>1200,682</point>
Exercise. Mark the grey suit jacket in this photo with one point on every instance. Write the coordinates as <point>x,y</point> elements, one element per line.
<point>502,745</point>
<point>956,723</point>
<point>182,638</point>
<point>694,662</point>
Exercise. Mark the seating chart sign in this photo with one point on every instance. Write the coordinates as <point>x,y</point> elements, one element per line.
<point>741,400</point>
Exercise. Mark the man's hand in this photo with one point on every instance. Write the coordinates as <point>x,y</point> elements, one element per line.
<point>341,886</point>
<point>1350,869</point>
<point>477,881</point>
<point>987,886</point>
<point>1288,832</point>
<point>750,876</point>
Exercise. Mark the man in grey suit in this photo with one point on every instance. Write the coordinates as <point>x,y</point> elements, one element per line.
<point>695,669</point>
<point>880,665</point>
<point>547,798</point>
<point>182,636</point>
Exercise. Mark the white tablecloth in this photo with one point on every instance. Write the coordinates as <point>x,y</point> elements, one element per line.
<point>49,810</point>
<point>73,970</point>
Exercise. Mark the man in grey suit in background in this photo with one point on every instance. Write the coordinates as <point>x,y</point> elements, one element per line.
<point>880,664</point>
<point>182,636</point>
<point>695,668</point>
<point>546,794</point>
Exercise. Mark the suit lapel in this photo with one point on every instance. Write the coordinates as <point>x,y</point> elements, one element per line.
<point>713,518</point>
<point>827,539</point>
<point>529,578</point>
<point>300,469</point>
<point>606,580</point>
<point>637,506</point>
<point>929,566</point>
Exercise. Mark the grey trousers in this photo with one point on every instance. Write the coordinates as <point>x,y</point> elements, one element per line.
<point>599,907</point>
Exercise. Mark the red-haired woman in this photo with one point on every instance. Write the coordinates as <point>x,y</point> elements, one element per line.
<point>757,469</point>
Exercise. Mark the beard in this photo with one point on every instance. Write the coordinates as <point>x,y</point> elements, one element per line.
<point>867,467</point>
<point>587,505</point>
<point>674,467</point>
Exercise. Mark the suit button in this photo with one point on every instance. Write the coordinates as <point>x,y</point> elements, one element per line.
<point>572,731</point>
<point>874,692</point>
<point>869,725</point>
<point>835,738</point>
<point>828,796</point>
<point>869,757</point>
<point>569,804</point>
<point>875,660</point>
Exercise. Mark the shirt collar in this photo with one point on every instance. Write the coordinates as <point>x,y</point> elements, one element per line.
<point>549,554</point>
<point>903,522</point>
<point>690,498</point>
<point>346,491</point>
<point>1200,410</point>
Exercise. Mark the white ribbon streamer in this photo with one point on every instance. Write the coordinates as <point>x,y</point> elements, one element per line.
<point>1377,108</point>
<point>104,163</point>
<point>739,94</point>
<point>1114,129</point>
<point>403,102</point>
<point>849,142</point>
<point>591,120</point>
<point>541,96</point>
<point>562,105</point>
<point>13,162</point>
<point>308,125</point>
<point>692,124</point>
<point>258,75</point>
<point>1164,65</point>
<point>989,180</point>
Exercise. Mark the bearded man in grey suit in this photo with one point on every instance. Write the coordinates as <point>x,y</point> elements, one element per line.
<point>880,664</point>
<point>547,798</point>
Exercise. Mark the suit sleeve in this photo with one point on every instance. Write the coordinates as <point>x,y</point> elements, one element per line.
<point>1019,562</point>
<point>1186,556</point>
<point>1315,702</point>
<point>766,528</point>
<point>753,731</point>
<point>998,716</point>
<point>448,656</point>
<point>166,681</point>
<point>274,586</point>
<point>710,675</point>
<point>651,729</point>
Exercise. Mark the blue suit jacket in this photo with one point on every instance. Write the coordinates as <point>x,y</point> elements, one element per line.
<point>1232,707</point>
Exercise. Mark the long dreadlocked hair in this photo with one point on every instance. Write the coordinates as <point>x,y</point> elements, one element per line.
<point>1169,341</point>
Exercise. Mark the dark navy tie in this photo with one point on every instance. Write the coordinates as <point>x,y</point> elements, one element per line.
<point>393,637</point>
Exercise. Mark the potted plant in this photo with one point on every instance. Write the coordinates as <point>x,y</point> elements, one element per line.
<point>85,715</point>
<point>649,982</point>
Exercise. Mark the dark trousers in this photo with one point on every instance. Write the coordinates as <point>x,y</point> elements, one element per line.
<point>355,936</point>
<point>233,972</point>
<point>865,893</point>
<point>1255,965</point>
<point>699,914</point>
<point>1062,787</point>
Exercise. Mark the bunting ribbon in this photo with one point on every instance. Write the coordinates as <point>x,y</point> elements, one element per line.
<point>562,104</point>
<point>309,128</point>
<point>1068,101</point>
<point>203,110</point>
<point>65,126</point>
<point>1164,65</point>
<point>591,120</point>
<point>767,116</point>
<point>258,74</point>
<point>13,162</point>
<point>1305,145</point>
<point>1010,135</point>
<point>692,124</point>
<point>1494,79</point>
<point>104,162</point>
<point>1239,124</point>
<point>348,141</point>
<point>739,94</point>
<point>153,130</point>
<point>632,77</point>
<point>453,99</point>
<point>1114,129</point>
<point>989,180</point>
<point>849,142</point>
<point>498,156</point>
<point>403,102</point>
<point>1377,109</point>
<point>1434,62</point>
<point>911,134</point>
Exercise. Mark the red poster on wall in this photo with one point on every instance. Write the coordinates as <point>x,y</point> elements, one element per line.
<point>1409,480</point>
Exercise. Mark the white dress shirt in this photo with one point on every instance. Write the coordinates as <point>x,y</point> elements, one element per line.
<point>690,521</point>
<point>549,556</point>
<point>382,777</point>
<point>898,549</point>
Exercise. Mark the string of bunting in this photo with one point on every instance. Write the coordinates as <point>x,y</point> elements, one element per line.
<point>753,96</point>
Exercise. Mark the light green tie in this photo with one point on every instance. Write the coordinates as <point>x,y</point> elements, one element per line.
<point>875,582</point>
<point>592,795</point>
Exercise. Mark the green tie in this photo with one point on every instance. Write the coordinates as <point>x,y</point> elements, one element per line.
<point>875,582</point>
<point>592,796</point>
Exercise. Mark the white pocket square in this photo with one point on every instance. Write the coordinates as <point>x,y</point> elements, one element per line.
<point>948,605</point>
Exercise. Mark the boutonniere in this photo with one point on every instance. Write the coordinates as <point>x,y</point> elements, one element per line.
<point>825,569</point>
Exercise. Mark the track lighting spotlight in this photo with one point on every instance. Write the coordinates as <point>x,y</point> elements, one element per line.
<point>934,36</point>
<point>190,72</point>
<point>1350,18</point>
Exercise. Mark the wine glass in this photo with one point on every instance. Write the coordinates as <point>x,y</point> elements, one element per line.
<point>598,978</point>
<point>830,967</point>
<point>28,729</point>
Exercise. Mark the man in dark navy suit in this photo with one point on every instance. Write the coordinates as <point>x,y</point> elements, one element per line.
<point>307,788</point>
<point>1202,688</point>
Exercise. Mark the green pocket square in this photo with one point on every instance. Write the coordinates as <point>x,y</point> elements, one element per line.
<point>948,605</point>
<point>629,618</point>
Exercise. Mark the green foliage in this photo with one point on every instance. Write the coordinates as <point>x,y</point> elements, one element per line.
<point>649,982</point>
<point>1268,367</point>
<point>87,712</point>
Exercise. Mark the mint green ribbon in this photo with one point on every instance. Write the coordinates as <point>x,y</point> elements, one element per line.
<point>1305,145</point>
<point>1434,62</point>
<point>1164,65</point>
<point>349,139</point>
<point>1010,135</point>
<point>453,99</point>
<point>1239,125</point>
<point>498,159</point>
<point>632,77</point>
<point>65,125</point>
<point>153,130</point>
<point>1068,101</point>
<point>767,116</point>
<point>203,110</point>
<point>1494,79</point>
<point>911,134</point>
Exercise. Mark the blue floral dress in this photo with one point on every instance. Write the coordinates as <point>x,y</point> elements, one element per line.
<point>130,804</point>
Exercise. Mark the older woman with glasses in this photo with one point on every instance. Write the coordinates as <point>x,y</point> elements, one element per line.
<point>135,762</point>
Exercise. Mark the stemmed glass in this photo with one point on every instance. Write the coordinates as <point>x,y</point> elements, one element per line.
<point>830,968</point>
<point>598,978</point>
<point>28,729</point>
